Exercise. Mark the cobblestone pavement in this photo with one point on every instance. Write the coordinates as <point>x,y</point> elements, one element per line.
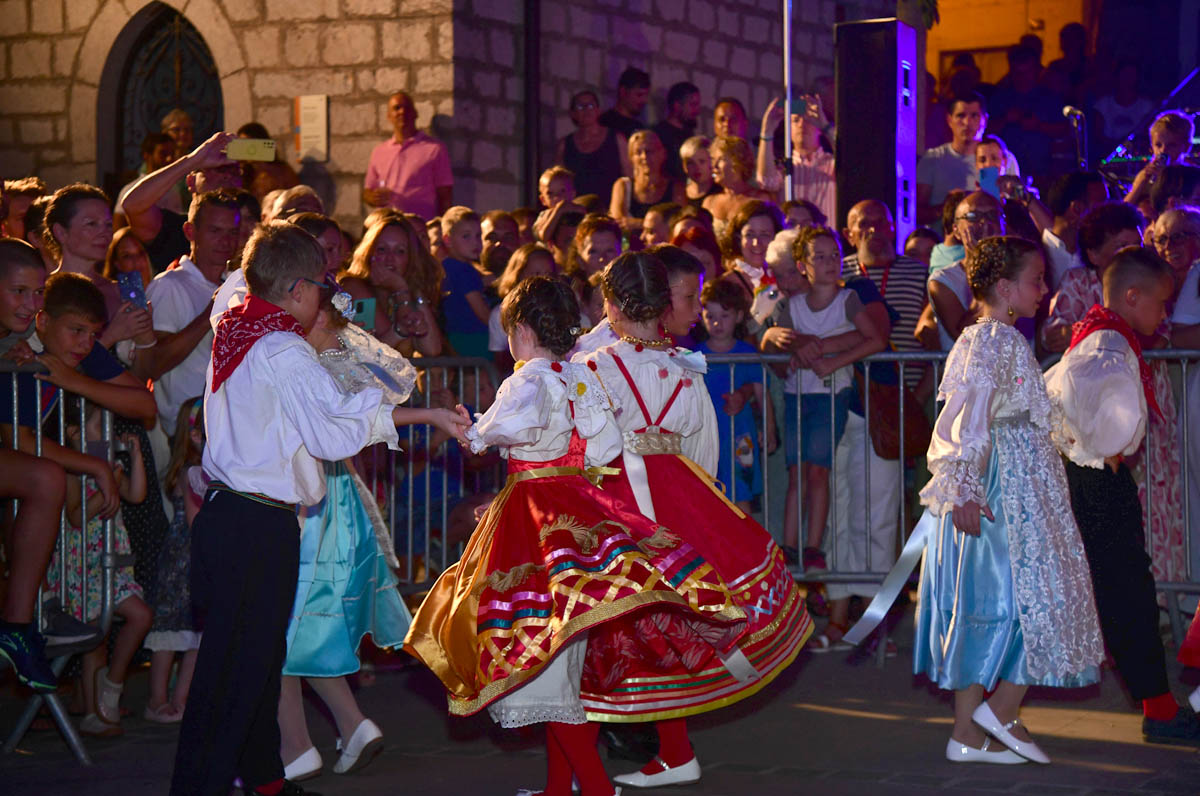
<point>832,724</point>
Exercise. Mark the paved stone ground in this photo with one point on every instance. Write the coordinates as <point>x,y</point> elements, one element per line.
<point>830,725</point>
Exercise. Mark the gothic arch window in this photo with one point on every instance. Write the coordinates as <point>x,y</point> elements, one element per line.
<point>159,62</point>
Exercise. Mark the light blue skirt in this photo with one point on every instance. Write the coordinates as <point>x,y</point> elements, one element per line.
<point>968,623</point>
<point>346,587</point>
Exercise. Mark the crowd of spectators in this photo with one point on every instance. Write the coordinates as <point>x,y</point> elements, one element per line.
<point>771,275</point>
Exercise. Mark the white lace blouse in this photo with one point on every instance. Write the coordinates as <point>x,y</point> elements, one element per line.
<point>656,373</point>
<point>1099,404</point>
<point>531,417</point>
<point>991,374</point>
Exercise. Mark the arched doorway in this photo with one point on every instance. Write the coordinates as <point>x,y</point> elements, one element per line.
<point>159,62</point>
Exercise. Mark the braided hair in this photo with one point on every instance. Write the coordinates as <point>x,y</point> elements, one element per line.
<point>547,306</point>
<point>638,285</point>
<point>993,259</point>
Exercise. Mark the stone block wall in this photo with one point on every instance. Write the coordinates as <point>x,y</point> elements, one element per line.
<point>461,60</point>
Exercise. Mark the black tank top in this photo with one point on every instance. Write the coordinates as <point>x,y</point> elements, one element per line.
<point>595,172</point>
<point>638,209</point>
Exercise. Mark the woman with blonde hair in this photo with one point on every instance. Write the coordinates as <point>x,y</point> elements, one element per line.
<point>392,266</point>
<point>650,184</point>
<point>733,166</point>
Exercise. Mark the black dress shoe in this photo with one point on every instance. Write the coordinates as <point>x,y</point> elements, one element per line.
<point>1183,730</point>
<point>638,744</point>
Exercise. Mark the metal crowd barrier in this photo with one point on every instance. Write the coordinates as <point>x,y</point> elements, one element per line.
<point>60,656</point>
<point>419,492</point>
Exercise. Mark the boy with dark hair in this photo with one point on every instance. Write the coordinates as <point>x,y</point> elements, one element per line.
<point>271,412</point>
<point>1103,390</point>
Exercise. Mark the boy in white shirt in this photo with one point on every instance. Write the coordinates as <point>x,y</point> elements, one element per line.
<point>271,413</point>
<point>1104,391</point>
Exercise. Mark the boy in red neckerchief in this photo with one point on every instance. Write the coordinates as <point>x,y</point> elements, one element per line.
<point>1105,393</point>
<point>271,413</point>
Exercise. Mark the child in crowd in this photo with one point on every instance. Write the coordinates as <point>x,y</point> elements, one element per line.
<point>1006,601</point>
<point>464,308</point>
<point>597,243</point>
<point>819,373</point>
<point>990,153</point>
<point>733,388</point>
<point>506,626</point>
<point>174,628</point>
<point>670,435</point>
<point>656,224</point>
<point>920,242</point>
<point>801,213</point>
<point>532,259</point>
<point>264,384</point>
<point>102,685</point>
<point>1104,393</point>
<point>1171,136</point>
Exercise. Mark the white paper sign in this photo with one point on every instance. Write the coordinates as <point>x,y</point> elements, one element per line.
<point>312,127</point>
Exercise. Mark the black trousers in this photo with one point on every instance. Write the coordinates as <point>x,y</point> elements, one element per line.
<point>1109,516</point>
<point>245,557</point>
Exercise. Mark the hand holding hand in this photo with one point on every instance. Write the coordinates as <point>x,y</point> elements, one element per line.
<point>110,497</point>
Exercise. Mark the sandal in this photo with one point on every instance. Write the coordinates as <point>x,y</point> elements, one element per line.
<point>166,713</point>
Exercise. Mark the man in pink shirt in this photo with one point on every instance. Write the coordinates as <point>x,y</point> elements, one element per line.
<point>410,171</point>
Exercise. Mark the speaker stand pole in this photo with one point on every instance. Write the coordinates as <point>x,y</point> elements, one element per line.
<point>788,188</point>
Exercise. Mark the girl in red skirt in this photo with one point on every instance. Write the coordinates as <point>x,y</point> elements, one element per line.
<point>670,445</point>
<point>555,558</point>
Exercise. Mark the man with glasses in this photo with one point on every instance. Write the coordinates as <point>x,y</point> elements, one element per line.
<point>977,216</point>
<point>1176,238</point>
<point>411,170</point>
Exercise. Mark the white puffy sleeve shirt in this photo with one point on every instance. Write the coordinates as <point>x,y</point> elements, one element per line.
<point>279,414</point>
<point>531,418</point>
<point>991,374</point>
<point>1099,403</point>
<point>656,373</point>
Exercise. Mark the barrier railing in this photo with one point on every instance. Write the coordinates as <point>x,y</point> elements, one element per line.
<point>428,531</point>
<point>51,410</point>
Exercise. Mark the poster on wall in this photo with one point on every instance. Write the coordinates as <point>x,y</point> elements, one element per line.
<point>311,119</point>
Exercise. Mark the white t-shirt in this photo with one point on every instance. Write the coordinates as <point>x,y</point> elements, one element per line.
<point>834,319</point>
<point>497,339</point>
<point>1060,260</point>
<point>1119,120</point>
<point>178,296</point>
<point>1187,307</point>
<point>955,278</point>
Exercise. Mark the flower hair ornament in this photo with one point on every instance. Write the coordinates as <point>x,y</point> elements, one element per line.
<point>341,300</point>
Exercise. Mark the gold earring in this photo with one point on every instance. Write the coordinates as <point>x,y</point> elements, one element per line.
<point>1010,311</point>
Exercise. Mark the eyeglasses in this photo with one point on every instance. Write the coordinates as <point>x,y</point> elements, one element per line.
<point>319,285</point>
<point>1173,240</point>
<point>975,216</point>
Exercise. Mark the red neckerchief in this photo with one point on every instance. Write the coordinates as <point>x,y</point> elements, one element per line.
<point>240,328</point>
<point>1099,318</point>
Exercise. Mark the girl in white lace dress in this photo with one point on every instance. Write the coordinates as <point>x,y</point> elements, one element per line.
<point>1006,599</point>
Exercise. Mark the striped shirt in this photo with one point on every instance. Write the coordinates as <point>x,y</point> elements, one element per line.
<point>903,286</point>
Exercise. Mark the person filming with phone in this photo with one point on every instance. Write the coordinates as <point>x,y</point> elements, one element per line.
<point>812,166</point>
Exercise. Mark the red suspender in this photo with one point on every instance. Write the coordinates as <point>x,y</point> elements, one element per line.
<point>637,395</point>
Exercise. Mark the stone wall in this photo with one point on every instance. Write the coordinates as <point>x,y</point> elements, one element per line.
<point>461,60</point>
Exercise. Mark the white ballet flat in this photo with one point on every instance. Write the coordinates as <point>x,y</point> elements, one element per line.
<point>364,744</point>
<point>985,718</point>
<point>1194,700</point>
<point>961,753</point>
<point>684,774</point>
<point>306,766</point>
<point>574,789</point>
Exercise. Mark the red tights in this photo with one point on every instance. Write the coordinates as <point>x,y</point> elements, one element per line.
<point>674,747</point>
<point>571,749</point>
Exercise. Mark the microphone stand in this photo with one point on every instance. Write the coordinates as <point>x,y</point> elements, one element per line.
<point>1079,128</point>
